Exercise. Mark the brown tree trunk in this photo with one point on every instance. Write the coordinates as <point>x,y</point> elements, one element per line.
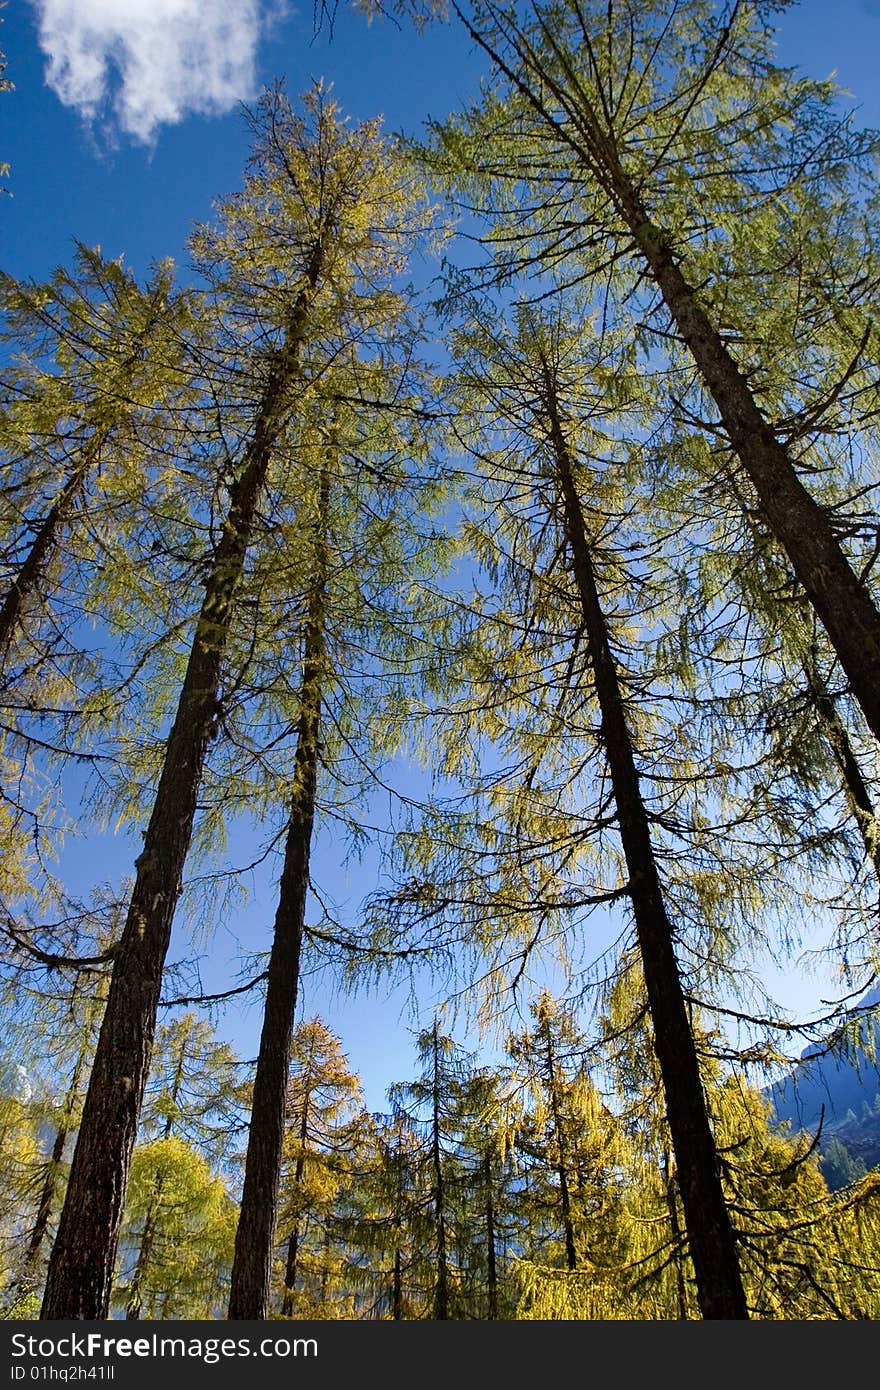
<point>800,525</point>
<point>47,1195</point>
<point>669,1187</point>
<point>491,1263</point>
<point>561,1166</point>
<point>43,546</point>
<point>293,1243</point>
<point>50,531</point>
<point>290,1271</point>
<point>255,1235</point>
<point>84,1253</point>
<point>397,1287</point>
<point>854,786</point>
<point>134,1301</point>
<point>441,1291</point>
<point>712,1242</point>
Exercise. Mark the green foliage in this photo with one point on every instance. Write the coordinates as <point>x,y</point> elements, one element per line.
<point>178,1234</point>
<point>406,573</point>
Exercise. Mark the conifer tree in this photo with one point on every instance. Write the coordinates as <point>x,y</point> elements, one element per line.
<point>305,204</point>
<point>611,140</point>
<point>322,1150</point>
<point>342,627</point>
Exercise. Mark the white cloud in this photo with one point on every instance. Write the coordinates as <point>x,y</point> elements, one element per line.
<point>152,62</point>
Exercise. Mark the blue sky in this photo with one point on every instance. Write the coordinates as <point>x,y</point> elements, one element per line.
<point>123,127</point>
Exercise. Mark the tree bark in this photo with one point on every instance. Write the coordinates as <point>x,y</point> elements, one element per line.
<point>254,1239</point>
<point>441,1291</point>
<point>397,1287</point>
<point>491,1262</point>
<point>711,1237</point>
<point>84,1253</point>
<point>669,1188</point>
<point>49,532</point>
<point>134,1301</point>
<point>854,786</point>
<point>47,1195</point>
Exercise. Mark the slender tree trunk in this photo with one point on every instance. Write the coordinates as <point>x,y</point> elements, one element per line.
<point>441,1292</point>
<point>397,1275</point>
<point>854,786</point>
<point>293,1243</point>
<point>50,532</point>
<point>254,1238</point>
<point>47,1192</point>
<point>561,1166</point>
<point>712,1242</point>
<point>675,1226</point>
<point>134,1301</point>
<point>47,1195</point>
<point>491,1265</point>
<point>290,1271</point>
<point>84,1253</point>
<point>325,1265</point>
<point>43,547</point>
<point>397,1287</point>
<point>800,525</point>
<point>26,1278</point>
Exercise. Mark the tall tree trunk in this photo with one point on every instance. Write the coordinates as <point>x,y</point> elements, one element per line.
<point>397,1287</point>
<point>134,1302</point>
<point>712,1243</point>
<point>491,1264</point>
<point>290,1271</point>
<point>441,1291</point>
<point>561,1166</point>
<point>800,525</point>
<point>50,531</point>
<point>255,1235</point>
<point>669,1187</point>
<point>45,542</point>
<point>84,1253</point>
<point>47,1194</point>
<point>794,518</point>
<point>855,788</point>
<point>293,1243</point>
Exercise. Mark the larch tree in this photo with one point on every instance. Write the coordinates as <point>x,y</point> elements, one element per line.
<point>805,1252</point>
<point>97,360</point>
<point>92,383</point>
<point>429,1104</point>
<point>618,144</point>
<point>177,1234</point>
<point>282,266</point>
<point>321,1148</point>
<point>571,1152</point>
<point>192,1111</point>
<point>340,626</point>
<point>565,722</point>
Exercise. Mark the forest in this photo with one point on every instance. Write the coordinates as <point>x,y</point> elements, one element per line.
<point>497,510</point>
